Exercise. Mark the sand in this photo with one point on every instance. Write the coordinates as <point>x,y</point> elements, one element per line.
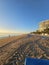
<point>20,47</point>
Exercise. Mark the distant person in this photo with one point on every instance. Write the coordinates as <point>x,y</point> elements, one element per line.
<point>9,36</point>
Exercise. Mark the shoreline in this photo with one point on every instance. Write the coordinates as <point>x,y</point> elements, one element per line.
<point>34,46</point>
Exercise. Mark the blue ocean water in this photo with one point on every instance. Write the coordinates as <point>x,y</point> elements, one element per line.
<point>7,35</point>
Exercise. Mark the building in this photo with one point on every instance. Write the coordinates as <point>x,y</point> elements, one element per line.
<point>43,25</point>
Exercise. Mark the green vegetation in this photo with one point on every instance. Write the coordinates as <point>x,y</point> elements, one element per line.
<point>40,32</point>
<point>46,30</point>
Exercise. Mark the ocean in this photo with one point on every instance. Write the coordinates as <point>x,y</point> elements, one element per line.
<point>7,35</point>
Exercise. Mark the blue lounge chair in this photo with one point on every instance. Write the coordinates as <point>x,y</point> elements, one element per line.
<point>33,61</point>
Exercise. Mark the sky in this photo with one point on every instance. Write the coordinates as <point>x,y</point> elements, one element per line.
<point>22,16</point>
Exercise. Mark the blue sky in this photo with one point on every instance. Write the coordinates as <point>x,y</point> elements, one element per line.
<point>22,15</point>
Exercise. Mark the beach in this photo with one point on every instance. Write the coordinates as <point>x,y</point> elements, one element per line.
<point>17,48</point>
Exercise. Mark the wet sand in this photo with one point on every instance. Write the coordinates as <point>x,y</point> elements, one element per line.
<point>16,49</point>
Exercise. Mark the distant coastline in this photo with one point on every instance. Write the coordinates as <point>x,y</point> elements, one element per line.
<point>7,35</point>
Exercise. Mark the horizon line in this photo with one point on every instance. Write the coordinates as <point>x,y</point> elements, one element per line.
<point>12,33</point>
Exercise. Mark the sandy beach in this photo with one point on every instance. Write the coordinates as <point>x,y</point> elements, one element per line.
<point>17,48</point>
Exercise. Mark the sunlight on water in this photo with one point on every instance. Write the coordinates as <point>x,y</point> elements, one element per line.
<point>7,35</point>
